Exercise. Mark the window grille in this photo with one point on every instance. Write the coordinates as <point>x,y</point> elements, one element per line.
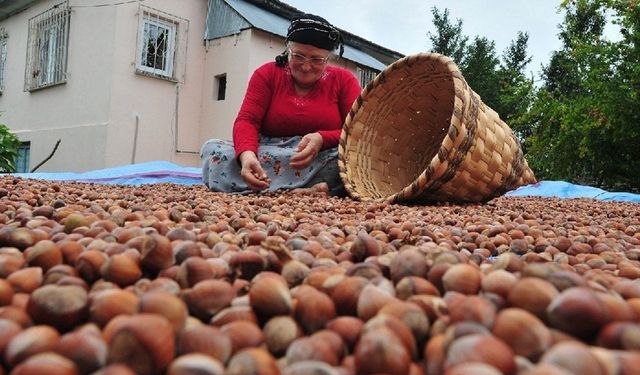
<point>3,57</point>
<point>47,48</point>
<point>366,75</point>
<point>161,44</point>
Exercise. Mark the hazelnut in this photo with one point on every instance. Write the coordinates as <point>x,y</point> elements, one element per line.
<point>6,292</point>
<point>380,351</point>
<point>192,271</point>
<point>29,342</point>
<point>346,293</point>
<point>269,295</point>
<point>44,254</point>
<point>88,263</point>
<point>399,329</point>
<point>577,311</point>
<point>574,357</point>
<point>195,363</point>
<point>121,269</point>
<point>165,304</point>
<point>63,307</point>
<point>8,329</point>
<point>85,347</point>
<point>413,285</point>
<point>348,327</point>
<point>233,313</point>
<point>208,297</point>
<point>243,334</point>
<point>411,315</point>
<point>499,282</point>
<point>107,304</point>
<point>409,261</point>
<point>144,342</point>
<point>473,308</point>
<point>252,361</point>
<point>205,339</point>
<point>156,252</point>
<point>306,349</point>
<point>532,294</point>
<point>481,348</point>
<point>523,332</point>
<point>26,280</point>
<point>46,363</point>
<point>462,278</point>
<point>280,332</point>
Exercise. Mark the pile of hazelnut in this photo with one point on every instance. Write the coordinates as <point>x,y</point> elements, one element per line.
<point>173,279</point>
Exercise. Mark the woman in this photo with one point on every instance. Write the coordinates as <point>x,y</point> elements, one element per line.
<point>287,130</point>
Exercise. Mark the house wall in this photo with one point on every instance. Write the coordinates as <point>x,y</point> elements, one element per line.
<point>106,114</point>
<point>75,112</point>
<point>165,113</point>
<point>95,112</point>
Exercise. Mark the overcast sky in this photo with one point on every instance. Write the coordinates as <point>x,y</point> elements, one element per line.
<point>402,25</point>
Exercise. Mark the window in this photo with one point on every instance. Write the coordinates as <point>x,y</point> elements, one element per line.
<point>3,58</point>
<point>221,86</point>
<point>366,75</point>
<point>156,47</point>
<point>47,48</point>
<point>22,160</point>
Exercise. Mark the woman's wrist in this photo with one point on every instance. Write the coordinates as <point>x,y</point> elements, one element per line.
<point>246,156</point>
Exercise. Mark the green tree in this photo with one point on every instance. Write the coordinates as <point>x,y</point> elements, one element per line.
<point>9,144</point>
<point>480,69</point>
<point>584,117</point>
<point>502,85</point>
<point>448,38</point>
<point>516,90</point>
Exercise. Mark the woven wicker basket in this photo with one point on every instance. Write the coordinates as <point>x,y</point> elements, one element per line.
<point>419,133</point>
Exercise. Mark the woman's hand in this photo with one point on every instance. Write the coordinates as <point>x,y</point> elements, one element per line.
<point>252,173</point>
<point>308,148</point>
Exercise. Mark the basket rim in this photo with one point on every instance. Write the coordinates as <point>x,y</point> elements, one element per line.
<point>421,182</point>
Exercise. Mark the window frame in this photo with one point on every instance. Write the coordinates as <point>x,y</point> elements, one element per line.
<point>47,48</point>
<point>23,157</point>
<point>220,90</point>
<point>3,57</point>
<point>156,20</point>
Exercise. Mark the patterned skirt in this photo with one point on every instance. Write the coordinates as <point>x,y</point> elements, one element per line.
<point>221,169</point>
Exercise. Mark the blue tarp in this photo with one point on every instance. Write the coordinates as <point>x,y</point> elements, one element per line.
<point>163,171</point>
<point>152,172</point>
<point>563,189</point>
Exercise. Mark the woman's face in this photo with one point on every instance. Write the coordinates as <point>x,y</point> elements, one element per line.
<point>307,63</point>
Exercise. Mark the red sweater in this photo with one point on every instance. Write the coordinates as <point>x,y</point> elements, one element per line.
<point>272,107</point>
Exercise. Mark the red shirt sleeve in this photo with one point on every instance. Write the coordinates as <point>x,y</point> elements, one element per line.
<point>246,128</point>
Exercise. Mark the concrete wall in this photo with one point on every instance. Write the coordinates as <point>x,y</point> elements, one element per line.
<point>75,112</point>
<point>95,112</point>
<point>166,113</point>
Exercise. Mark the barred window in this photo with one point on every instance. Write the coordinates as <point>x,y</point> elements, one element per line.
<point>47,48</point>
<point>366,75</point>
<point>3,58</point>
<point>156,45</point>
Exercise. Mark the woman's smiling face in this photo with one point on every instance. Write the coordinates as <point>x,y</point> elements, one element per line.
<point>307,63</point>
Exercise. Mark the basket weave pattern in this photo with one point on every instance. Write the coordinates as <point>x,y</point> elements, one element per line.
<point>418,132</point>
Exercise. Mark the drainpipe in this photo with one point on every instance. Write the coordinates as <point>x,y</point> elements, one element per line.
<point>136,116</point>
